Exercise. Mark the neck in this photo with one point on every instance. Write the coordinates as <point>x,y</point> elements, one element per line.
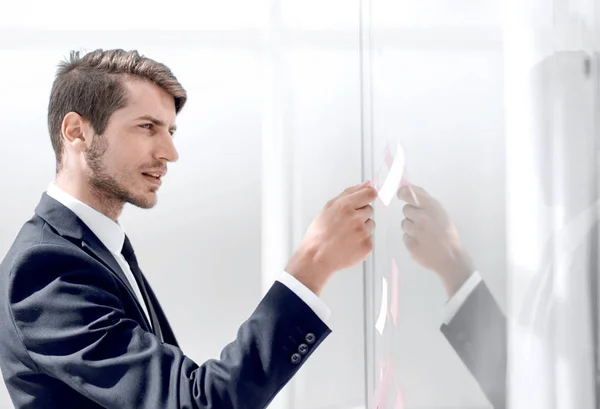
<point>83,191</point>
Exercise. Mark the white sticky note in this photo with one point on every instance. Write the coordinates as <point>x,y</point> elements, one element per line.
<point>380,324</point>
<point>394,291</point>
<point>394,177</point>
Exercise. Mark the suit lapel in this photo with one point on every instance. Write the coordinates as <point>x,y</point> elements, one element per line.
<point>96,249</point>
<point>167,331</point>
<point>68,225</point>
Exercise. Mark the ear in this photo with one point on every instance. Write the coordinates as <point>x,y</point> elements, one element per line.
<point>76,132</point>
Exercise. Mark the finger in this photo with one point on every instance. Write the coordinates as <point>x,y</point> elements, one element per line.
<point>411,212</point>
<point>409,227</point>
<point>347,191</point>
<point>370,226</point>
<point>409,242</point>
<point>362,197</point>
<point>409,195</point>
<point>354,188</point>
<point>365,213</point>
<point>414,196</point>
<point>420,191</point>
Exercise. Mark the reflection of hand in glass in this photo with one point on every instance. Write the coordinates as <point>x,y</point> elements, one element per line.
<point>432,239</point>
<point>474,325</point>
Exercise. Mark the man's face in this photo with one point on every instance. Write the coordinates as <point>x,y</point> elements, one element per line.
<point>127,163</point>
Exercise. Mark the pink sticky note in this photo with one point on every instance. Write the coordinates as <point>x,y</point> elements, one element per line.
<point>375,182</point>
<point>381,393</point>
<point>394,290</point>
<point>381,370</point>
<point>399,399</point>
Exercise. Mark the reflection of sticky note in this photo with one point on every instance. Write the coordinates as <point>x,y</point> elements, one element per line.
<point>380,324</point>
<point>399,399</point>
<point>381,393</point>
<point>394,290</point>
<point>381,368</point>
<point>393,179</point>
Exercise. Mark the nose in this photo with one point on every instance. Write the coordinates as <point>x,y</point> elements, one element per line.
<point>167,151</point>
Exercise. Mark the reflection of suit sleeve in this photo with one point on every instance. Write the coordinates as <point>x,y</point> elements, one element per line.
<point>478,335</point>
<point>68,317</point>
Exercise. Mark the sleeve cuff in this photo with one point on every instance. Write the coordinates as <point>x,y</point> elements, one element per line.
<point>311,299</point>
<point>460,297</point>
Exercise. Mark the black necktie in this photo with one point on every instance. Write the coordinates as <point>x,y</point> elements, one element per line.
<point>129,255</point>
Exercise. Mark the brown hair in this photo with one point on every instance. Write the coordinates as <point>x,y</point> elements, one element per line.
<point>92,87</point>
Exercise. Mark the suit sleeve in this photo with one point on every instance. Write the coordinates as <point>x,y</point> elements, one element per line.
<point>478,335</point>
<point>73,327</point>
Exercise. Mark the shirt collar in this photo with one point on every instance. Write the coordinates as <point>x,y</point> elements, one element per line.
<point>110,233</point>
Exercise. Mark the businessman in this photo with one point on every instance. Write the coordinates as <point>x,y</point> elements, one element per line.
<point>80,326</point>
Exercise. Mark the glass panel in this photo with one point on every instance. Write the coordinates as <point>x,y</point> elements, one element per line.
<point>497,124</point>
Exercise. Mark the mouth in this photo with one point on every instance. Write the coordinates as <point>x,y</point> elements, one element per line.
<point>153,178</point>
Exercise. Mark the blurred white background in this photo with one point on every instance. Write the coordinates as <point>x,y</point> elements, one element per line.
<point>286,102</point>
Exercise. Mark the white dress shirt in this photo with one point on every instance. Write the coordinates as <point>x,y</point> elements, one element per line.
<point>112,235</point>
<point>459,298</point>
<point>311,299</point>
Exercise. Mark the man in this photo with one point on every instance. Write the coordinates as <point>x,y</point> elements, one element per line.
<point>474,324</point>
<point>80,327</point>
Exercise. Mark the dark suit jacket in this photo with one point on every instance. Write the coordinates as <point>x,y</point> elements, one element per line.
<point>478,335</point>
<point>72,334</point>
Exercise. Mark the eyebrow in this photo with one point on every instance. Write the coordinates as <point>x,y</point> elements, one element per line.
<point>156,122</point>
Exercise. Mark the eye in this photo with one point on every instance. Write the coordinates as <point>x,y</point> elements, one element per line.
<point>147,126</point>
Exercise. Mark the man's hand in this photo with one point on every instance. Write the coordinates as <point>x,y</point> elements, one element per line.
<point>339,237</point>
<point>432,239</point>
